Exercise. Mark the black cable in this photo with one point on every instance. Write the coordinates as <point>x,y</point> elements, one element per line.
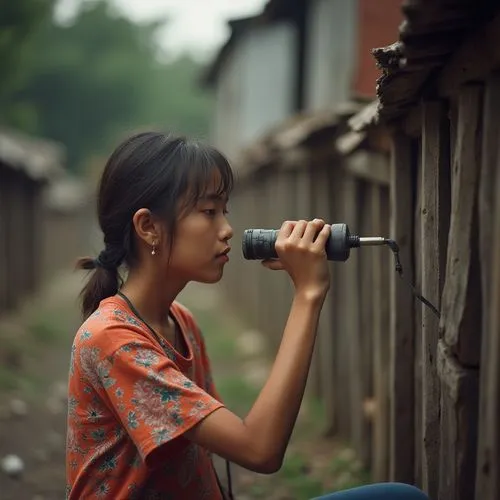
<point>399,269</point>
<point>229,480</point>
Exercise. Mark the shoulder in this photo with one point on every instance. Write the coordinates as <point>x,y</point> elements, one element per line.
<point>109,328</point>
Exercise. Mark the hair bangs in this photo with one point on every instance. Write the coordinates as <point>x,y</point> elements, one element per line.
<point>208,172</point>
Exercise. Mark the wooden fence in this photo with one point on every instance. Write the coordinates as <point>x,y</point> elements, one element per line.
<point>44,222</point>
<point>403,386</point>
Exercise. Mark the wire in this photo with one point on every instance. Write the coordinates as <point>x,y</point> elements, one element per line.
<point>399,269</point>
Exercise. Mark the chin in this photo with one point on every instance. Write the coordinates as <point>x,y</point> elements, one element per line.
<point>211,278</point>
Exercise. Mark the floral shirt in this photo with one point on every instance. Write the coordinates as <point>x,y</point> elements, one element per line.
<point>130,401</point>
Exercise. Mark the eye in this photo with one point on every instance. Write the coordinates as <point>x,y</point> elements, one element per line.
<point>210,212</point>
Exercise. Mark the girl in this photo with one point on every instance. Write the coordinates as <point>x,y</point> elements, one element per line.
<point>144,415</point>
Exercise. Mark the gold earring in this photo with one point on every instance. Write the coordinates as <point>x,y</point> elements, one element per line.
<point>153,250</point>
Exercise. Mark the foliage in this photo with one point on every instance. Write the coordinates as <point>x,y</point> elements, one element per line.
<point>87,83</point>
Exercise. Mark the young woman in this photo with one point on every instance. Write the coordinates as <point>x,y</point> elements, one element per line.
<point>144,416</point>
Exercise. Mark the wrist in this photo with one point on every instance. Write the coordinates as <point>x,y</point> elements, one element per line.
<point>312,296</point>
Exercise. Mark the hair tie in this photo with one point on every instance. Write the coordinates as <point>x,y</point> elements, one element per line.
<point>106,260</point>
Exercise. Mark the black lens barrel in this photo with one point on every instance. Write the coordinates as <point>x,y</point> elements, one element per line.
<point>258,244</point>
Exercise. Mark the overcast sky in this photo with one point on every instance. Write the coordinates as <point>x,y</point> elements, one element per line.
<point>197,25</point>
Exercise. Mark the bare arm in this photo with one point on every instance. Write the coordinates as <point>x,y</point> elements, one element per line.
<point>259,441</point>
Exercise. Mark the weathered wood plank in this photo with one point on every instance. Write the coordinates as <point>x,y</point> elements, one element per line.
<point>401,328</point>
<point>366,316</point>
<point>461,298</point>
<point>379,268</point>
<point>417,323</point>
<point>435,207</point>
<point>465,65</point>
<point>322,182</point>
<point>488,458</point>
<point>340,284</point>
<point>459,398</point>
<point>352,320</point>
<point>369,166</point>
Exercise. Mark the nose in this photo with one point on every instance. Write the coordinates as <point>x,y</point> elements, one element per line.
<point>227,231</point>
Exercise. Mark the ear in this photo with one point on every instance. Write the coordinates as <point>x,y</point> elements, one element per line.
<point>147,227</point>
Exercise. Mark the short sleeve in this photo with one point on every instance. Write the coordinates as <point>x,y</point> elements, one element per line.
<point>209,380</point>
<point>154,400</point>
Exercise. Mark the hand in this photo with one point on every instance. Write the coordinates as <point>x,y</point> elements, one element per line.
<point>301,252</point>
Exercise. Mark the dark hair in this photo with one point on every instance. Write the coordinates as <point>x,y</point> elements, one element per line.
<point>148,170</point>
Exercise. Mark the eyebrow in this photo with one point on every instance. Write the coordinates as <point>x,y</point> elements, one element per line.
<point>214,197</point>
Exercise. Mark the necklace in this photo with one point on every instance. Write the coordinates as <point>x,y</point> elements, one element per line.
<point>158,337</point>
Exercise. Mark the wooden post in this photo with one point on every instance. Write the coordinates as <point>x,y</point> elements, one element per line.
<point>401,327</point>
<point>351,313</point>
<point>434,231</point>
<point>417,323</point>
<point>461,300</point>
<point>342,340</point>
<point>367,205</point>
<point>379,214</point>
<point>461,311</point>
<point>321,206</point>
<point>459,397</point>
<point>488,459</point>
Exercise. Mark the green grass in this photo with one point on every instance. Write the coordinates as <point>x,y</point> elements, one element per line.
<point>237,393</point>
<point>37,328</point>
<point>9,379</point>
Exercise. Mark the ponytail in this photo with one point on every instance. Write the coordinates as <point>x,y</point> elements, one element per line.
<point>104,281</point>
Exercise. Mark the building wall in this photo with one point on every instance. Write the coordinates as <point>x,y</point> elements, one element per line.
<point>256,85</point>
<point>377,22</point>
<point>331,49</point>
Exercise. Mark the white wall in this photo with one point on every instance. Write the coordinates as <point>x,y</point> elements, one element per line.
<point>330,58</point>
<point>256,86</point>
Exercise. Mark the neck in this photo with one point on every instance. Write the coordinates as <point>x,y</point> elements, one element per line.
<point>150,295</point>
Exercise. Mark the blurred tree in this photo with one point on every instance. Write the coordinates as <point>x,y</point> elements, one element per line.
<point>18,20</point>
<point>99,77</point>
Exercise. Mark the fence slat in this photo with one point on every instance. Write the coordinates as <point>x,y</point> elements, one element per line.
<point>488,459</point>
<point>459,396</point>
<point>381,345</point>
<point>401,328</point>
<point>434,231</point>
<point>461,311</point>
<point>461,300</point>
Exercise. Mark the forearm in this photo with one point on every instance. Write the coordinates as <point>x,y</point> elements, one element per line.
<point>272,417</point>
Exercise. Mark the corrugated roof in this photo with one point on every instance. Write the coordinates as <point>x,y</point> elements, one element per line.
<point>38,159</point>
<point>430,33</point>
<point>293,141</point>
<point>274,10</point>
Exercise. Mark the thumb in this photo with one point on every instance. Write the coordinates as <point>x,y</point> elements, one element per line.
<point>273,264</point>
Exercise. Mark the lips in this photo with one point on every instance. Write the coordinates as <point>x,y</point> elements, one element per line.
<point>224,252</point>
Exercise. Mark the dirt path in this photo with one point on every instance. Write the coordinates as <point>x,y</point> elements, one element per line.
<point>33,391</point>
<point>33,372</point>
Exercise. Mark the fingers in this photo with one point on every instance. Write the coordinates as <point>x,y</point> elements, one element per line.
<point>286,229</point>
<point>312,229</point>
<point>323,236</point>
<point>273,264</point>
<point>298,230</point>
<point>315,231</point>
